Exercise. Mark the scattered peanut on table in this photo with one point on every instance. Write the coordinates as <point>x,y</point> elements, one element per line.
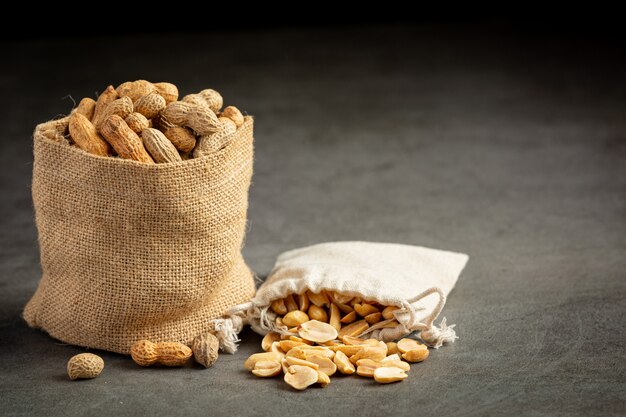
<point>322,338</point>
<point>84,366</point>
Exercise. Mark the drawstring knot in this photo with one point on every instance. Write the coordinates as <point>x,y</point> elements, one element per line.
<point>437,336</point>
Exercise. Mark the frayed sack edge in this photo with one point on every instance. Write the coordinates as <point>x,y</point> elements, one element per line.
<point>262,321</point>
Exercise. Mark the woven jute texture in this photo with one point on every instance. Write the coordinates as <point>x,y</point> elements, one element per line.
<point>132,251</point>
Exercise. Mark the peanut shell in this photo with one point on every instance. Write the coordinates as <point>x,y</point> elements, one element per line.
<point>159,147</point>
<point>84,366</point>
<point>86,137</point>
<point>205,349</point>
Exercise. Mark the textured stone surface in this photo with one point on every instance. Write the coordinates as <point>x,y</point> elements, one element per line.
<point>509,148</point>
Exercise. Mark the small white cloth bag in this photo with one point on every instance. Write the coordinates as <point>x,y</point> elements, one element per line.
<point>414,278</point>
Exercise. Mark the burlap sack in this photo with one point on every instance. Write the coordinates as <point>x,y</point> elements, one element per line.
<point>133,251</point>
<point>414,278</point>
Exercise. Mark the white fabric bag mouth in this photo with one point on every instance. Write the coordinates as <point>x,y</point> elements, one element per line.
<point>414,278</point>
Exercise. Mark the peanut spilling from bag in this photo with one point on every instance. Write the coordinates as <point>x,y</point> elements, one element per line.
<point>322,339</point>
<point>145,122</point>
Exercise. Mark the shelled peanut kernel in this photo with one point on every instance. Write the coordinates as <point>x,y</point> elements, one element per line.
<point>322,338</point>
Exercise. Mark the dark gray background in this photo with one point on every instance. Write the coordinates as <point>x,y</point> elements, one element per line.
<point>508,146</point>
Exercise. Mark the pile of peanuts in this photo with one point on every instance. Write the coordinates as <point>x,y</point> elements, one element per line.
<point>145,122</point>
<point>321,340</point>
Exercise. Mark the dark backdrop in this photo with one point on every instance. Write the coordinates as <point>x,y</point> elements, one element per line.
<point>504,139</point>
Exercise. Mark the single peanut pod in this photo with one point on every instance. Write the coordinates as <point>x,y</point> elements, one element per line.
<point>303,302</point>
<point>137,122</point>
<point>161,123</point>
<point>86,107</point>
<point>392,348</point>
<point>196,99</point>
<point>388,312</point>
<point>416,355</point>
<point>349,318</point>
<point>343,363</point>
<point>177,113</point>
<point>168,91</point>
<point>389,374</point>
<point>198,118</point>
<point>266,369</point>
<point>215,141</point>
<point>292,360</point>
<point>295,318</point>
<point>323,379</point>
<point>265,356</point>
<point>226,120</point>
<point>365,309</point>
<point>205,348</point>
<point>183,138</point>
<point>159,147</point>
<point>319,299</point>
<point>278,307</point>
<point>335,317</point>
<point>173,353</point>
<point>86,366</point>
<point>233,114</point>
<point>290,303</point>
<point>354,329</point>
<point>125,142</point>
<point>106,97</point>
<point>405,345</point>
<point>300,377</point>
<point>326,365</point>
<point>150,105</point>
<point>54,130</point>
<point>144,353</point>
<point>317,313</point>
<point>86,137</point>
<point>373,318</point>
<point>135,89</point>
<point>121,107</point>
<point>268,340</point>
<point>213,99</point>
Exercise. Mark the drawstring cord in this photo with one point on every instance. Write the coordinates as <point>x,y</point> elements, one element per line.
<point>431,334</point>
<point>228,328</point>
